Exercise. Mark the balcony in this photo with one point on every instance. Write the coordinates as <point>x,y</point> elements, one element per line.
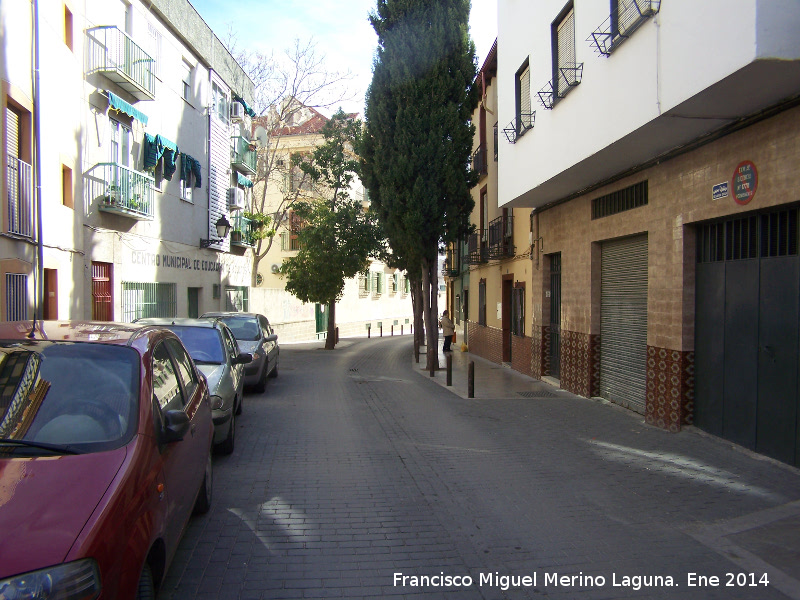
<point>20,197</point>
<point>127,192</point>
<point>501,238</point>
<point>477,248</point>
<point>112,53</point>
<point>519,125</point>
<point>624,20</point>
<point>243,155</point>
<point>242,231</point>
<point>569,76</point>
<point>479,161</point>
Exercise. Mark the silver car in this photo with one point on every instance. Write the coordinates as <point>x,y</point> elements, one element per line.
<point>214,350</point>
<point>255,336</point>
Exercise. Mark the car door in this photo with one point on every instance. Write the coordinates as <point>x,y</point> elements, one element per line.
<point>198,414</point>
<point>270,347</point>
<point>232,349</point>
<point>168,395</point>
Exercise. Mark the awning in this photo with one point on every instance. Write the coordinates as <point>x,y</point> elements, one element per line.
<point>240,100</point>
<point>119,104</point>
<point>242,180</point>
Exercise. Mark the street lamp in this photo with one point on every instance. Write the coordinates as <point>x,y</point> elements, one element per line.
<point>223,228</point>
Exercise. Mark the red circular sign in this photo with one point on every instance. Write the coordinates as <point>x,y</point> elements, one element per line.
<point>745,182</point>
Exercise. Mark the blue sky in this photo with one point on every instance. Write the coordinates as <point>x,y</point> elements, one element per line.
<point>339,27</point>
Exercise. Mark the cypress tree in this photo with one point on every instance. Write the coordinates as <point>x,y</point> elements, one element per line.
<point>418,140</point>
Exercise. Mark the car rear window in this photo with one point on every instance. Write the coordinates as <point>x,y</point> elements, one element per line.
<point>243,328</point>
<point>203,343</point>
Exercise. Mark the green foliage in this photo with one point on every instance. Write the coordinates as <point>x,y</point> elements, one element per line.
<point>338,237</point>
<point>259,225</point>
<point>418,141</point>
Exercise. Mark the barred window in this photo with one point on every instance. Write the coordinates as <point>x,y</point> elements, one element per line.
<point>482,302</point>
<point>144,300</point>
<point>16,297</point>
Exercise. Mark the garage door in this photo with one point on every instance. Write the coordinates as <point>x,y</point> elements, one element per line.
<point>623,322</point>
<point>747,318</point>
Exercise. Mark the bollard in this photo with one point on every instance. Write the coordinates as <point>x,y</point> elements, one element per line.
<point>449,358</point>
<point>401,330</point>
<point>471,380</point>
<point>337,334</point>
<point>381,326</point>
<point>392,330</point>
<point>430,361</point>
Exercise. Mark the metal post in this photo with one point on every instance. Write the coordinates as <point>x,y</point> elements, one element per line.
<point>471,380</point>
<point>381,326</point>
<point>392,330</point>
<point>401,330</point>
<point>449,358</point>
<point>430,360</point>
<point>337,334</point>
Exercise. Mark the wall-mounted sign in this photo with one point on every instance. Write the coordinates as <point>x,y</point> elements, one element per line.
<point>745,182</point>
<point>719,191</point>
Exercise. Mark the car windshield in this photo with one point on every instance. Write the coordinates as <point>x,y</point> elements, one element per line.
<point>66,397</point>
<point>243,328</point>
<point>203,343</point>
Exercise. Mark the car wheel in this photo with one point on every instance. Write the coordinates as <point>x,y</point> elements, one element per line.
<point>146,589</point>
<point>261,386</point>
<point>226,447</point>
<point>203,502</point>
<point>274,372</point>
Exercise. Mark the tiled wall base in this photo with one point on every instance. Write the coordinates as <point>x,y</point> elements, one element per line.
<point>580,363</point>
<point>670,388</point>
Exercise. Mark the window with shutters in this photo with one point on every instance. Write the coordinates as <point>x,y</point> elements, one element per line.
<point>567,72</point>
<point>518,309</point>
<point>19,173</point>
<point>523,99</point>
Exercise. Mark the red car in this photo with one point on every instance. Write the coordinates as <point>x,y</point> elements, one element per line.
<point>105,450</point>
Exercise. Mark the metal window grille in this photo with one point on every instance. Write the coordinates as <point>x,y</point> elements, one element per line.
<point>237,298</point>
<point>616,202</point>
<point>143,300</point>
<point>753,236</point>
<point>16,297</point>
<point>102,300</point>
<point>518,311</point>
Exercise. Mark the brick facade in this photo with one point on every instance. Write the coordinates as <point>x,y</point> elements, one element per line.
<point>486,342</point>
<point>522,355</point>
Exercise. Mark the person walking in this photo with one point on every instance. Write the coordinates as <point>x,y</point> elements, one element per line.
<point>448,329</point>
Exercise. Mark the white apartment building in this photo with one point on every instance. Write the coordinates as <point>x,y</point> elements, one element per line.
<point>138,160</point>
<point>652,145</point>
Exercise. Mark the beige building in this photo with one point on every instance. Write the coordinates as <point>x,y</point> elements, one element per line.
<point>378,300</point>
<point>653,172</point>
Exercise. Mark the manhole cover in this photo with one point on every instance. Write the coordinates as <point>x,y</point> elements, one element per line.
<point>537,394</point>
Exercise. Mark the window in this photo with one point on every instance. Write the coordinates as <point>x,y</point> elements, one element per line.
<point>495,142</point>
<point>184,364</point>
<point>377,286</point>
<point>518,309</point>
<point>236,298</point>
<point>142,300</point>
<point>364,283</point>
<point>482,302</point>
<point>220,103</point>
<point>156,44</point>
<point>394,283</point>
<point>16,297</point>
<point>120,147</point>
<point>68,28</point>
<point>166,389</point>
<point>19,174</point>
<point>567,72</point>
<point>66,187</point>
<point>523,99</point>
<point>627,198</point>
<point>187,81</point>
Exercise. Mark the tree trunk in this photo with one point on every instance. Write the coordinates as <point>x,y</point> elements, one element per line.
<point>431,323</point>
<point>330,342</point>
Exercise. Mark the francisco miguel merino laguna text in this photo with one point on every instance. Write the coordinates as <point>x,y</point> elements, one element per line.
<point>505,582</point>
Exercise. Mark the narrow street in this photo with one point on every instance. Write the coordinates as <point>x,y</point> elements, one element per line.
<point>356,477</point>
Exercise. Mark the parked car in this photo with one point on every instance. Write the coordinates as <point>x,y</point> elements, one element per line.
<point>213,348</point>
<point>255,335</point>
<point>105,449</point>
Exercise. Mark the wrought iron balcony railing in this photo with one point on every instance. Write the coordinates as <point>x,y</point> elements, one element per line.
<point>477,248</point>
<point>20,197</point>
<point>115,55</point>
<point>501,237</point>
<point>243,155</point>
<point>479,162</point>
<point>626,18</point>
<point>242,231</point>
<point>519,125</point>
<point>569,76</point>
<point>127,192</point>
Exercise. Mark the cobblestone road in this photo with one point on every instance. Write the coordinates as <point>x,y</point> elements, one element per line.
<point>353,468</point>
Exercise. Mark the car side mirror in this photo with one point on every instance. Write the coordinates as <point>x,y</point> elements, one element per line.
<point>243,358</point>
<point>271,338</point>
<point>176,425</point>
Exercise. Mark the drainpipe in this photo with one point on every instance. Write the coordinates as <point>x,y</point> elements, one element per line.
<point>37,160</point>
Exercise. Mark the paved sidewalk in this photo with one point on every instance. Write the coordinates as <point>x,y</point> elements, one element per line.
<point>766,540</point>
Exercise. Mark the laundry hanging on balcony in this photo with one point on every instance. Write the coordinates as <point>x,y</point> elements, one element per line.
<point>240,100</point>
<point>189,166</point>
<point>243,181</point>
<point>117,103</point>
<point>156,147</point>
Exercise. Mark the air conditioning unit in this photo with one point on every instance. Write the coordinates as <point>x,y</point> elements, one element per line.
<point>235,198</point>
<point>275,268</point>
<point>237,112</point>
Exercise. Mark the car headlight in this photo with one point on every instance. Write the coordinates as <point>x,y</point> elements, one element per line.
<point>257,356</point>
<point>216,402</point>
<point>79,580</point>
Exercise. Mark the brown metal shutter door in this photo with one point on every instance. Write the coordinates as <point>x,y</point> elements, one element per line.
<point>623,322</point>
